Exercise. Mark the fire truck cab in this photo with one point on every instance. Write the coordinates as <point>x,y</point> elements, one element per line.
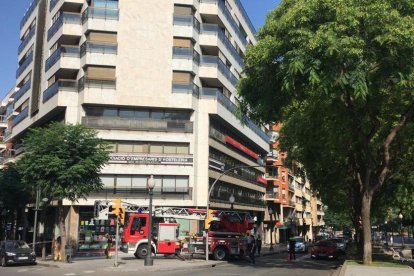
<point>164,236</point>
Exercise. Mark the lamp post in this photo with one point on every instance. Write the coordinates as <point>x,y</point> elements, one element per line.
<point>150,185</point>
<point>35,218</point>
<point>400,216</point>
<point>386,229</point>
<point>232,199</point>
<point>271,228</point>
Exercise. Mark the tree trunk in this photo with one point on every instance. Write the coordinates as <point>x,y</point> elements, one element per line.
<point>24,223</point>
<point>366,227</point>
<point>62,229</point>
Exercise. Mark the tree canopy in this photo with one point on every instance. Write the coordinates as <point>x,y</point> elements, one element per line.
<point>339,75</point>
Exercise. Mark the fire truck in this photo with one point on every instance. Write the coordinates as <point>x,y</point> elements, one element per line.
<point>226,231</point>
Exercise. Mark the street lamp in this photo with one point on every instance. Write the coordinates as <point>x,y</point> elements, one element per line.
<point>271,228</point>
<point>386,229</point>
<point>232,199</point>
<point>150,185</point>
<point>400,216</point>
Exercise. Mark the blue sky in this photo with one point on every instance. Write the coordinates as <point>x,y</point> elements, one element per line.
<point>13,10</point>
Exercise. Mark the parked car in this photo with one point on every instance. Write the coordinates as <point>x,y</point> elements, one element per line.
<point>340,244</point>
<point>325,249</point>
<point>300,246</point>
<point>16,252</point>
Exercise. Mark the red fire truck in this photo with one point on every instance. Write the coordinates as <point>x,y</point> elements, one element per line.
<point>226,231</point>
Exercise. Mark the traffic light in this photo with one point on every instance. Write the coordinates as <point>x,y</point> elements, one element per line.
<point>209,218</point>
<point>121,216</point>
<point>116,206</point>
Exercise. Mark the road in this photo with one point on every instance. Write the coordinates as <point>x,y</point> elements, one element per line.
<point>268,265</point>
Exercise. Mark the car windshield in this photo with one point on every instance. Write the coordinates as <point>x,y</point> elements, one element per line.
<point>299,239</point>
<point>16,244</point>
<point>325,244</point>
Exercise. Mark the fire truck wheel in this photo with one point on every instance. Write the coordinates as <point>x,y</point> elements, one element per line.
<point>220,253</point>
<point>142,251</point>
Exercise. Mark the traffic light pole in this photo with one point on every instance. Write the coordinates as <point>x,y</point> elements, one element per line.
<point>116,243</point>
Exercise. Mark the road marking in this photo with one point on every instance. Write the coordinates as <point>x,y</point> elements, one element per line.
<point>70,274</point>
<point>22,270</point>
<point>89,271</point>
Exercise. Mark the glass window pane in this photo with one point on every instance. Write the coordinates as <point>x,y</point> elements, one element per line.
<point>158,184</point>
<point>140,147</point>
<point>126,113</point>
<point>159,115</point>
<point>168,184</point>
<point>112,147</point>
<point>142,114</point>
<point>139,182</point>
<point>156,148</point>
<point>182,149</point>
<point>123,182</point>
<point>171,149</point>
<point>125,147</point>
<point>110,112</point>
<point>108,181</point>
<point>181,184</point>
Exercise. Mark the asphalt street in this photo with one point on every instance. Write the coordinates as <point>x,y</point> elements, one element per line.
<point>266,265</point>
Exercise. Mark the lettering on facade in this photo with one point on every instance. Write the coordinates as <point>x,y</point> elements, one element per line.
<point>150,159</point>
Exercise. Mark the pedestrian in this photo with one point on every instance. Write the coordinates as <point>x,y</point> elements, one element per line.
<point>252,249</point>
<point>292,245</point>
<point>259,244</point>
<point>108,246</point>
<point>57,246</point>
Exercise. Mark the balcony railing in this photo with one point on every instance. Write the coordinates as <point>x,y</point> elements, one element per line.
<point>26,86</point>
<point>63,51</point>
<point>3,119</point>
<point>94,83</point>
<point>213,28</point>
<point>107,14</point>
<point>223,69</point>
<point>54,88</point>
<point>230,19</point>
<point>186,88</point>
<point>187,20</point>
<point>72,18</point>
<point>230,106</point>
<point>272,195</point>
<point>89,47</point>
<point>245,16</point>
<point>53,4</point>
<point>23,114</point>
<point>24,65</point>
<point>28,13</point>
<point>7,133</point>
<point>136,124</point>
<point>187,53</point>
<point>26,40</point>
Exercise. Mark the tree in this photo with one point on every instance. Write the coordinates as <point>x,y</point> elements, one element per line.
<point>339,75</point>
<point>63,162</point>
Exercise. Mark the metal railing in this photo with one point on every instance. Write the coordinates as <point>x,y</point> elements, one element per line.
<point>107,14</point>
<point>213,28</point>
<point>272,195</point>
<point>26,40</point>
<point>138,124</point>
<point>89,47</point>
<point>22,115</point>
<point>53,4</point>
<point>72,18</point>
<point>24,65</point>
<point>7,133</point>
<point>245,16</point>
<point>187,53</point>
<point>187,20</point>
<point>54,88</point>
<point>61,52</point>
<point>3,119</point>
<point>26,86</point>
<point>222,68</point>
<point>28,13</point>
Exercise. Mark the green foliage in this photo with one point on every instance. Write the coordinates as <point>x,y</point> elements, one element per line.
<point>337,219</point>
<point>13,192</point>
<point>64,161</point>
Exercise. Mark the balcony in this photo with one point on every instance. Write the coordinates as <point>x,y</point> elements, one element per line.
<point>7,134</point>
<point>98,54</point>
<point>213,35</point>
<point>54,3</point>
<point>185,59</point>
<point>100,19</point>
<point>3,121</point>
<point>186,88</point>
<point>218,7</point>
<point>67,85</point>
<point>65,18</point>
<point>270,176</point>
<point>89,47</point>
<point>231,107</point>
<point>26,86</point>
<point>186,26</point>
<point>21,116</point>
<point>28,13</point>
<point>271,196</point>
<point>28,60</point>
<point>64,51</point>
<point>136,124</point>
<point>245,16</point>
<point>222,69</point>
<point>26,41</point>
<point>86,82</point>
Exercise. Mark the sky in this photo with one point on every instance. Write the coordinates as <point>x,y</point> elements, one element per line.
<point>12,12</point>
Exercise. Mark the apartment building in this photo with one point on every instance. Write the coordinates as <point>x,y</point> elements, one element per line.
<point>292,209</point>
<point>156,78</point>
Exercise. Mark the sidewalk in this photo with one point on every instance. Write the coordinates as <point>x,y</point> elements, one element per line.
<point>358,270</point>
<point>128,263</point>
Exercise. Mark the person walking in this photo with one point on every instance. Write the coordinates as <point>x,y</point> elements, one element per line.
<point>292,245</point>
<point>57,246</point>
<point>259,244</point>
<point>252,249</point>
<point>108,246</point>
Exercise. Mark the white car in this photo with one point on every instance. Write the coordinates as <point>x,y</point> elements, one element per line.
<point>300,245</point>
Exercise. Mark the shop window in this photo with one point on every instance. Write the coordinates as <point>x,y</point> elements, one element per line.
<point>139,182</point>
<point>168,184</point>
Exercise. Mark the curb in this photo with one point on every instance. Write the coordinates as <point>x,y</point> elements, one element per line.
<point>342,271</point>
<point>47,265</point>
